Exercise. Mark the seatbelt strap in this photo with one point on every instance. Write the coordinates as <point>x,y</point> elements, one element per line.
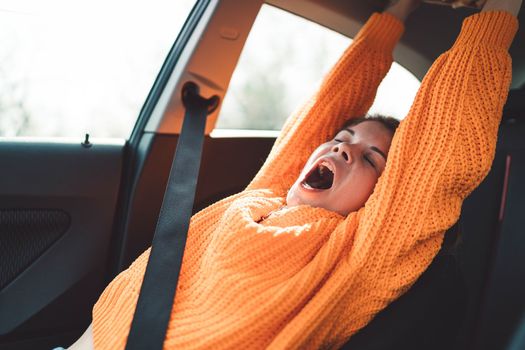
<point>152,314</point>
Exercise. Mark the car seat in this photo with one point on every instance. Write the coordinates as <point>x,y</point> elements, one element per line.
<point>471,296</point>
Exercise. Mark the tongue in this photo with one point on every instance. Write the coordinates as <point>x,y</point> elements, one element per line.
<point>321,178</point>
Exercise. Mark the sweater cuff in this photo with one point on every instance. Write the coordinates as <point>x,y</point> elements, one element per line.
<point>491,28</point>
<point>382,30</point>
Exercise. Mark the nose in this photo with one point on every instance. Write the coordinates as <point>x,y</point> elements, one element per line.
<point>344,150</point>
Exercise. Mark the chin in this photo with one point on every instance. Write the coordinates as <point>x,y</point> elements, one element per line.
<point>292,198</point>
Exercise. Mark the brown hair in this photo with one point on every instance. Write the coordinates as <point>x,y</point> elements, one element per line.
<point>389,123</point>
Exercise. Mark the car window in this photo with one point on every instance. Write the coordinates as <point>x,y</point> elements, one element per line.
<point>283,62</point>
<point>73,67</point>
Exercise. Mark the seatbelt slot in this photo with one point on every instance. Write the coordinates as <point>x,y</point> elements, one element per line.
<point>191,97</point>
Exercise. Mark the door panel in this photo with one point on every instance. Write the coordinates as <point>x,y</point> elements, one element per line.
<point>57,206</point>
<point>49,301</point>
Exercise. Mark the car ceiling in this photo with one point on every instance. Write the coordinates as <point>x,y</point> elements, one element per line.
<point>430,31</point>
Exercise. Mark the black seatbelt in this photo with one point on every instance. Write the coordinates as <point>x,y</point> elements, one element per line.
<point>152,314</point>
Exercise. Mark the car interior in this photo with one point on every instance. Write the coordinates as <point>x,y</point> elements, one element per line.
<point>75,214</point>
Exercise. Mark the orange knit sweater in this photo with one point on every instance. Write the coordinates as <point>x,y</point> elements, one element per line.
<point>306,277</point>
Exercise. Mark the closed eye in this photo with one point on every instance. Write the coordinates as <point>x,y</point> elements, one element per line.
<point>369,160</point>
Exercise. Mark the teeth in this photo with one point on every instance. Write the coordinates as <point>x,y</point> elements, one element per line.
<point>327,165</point>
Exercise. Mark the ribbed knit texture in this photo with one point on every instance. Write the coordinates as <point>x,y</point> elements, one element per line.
<point>309,278</point>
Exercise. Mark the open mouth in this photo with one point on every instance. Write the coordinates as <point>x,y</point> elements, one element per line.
<point>321,177</point>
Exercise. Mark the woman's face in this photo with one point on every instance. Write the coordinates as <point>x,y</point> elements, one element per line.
<point>341,174</point>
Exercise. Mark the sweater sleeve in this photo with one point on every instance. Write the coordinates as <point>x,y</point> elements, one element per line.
<point>348,91</point>
<point>440,153</point>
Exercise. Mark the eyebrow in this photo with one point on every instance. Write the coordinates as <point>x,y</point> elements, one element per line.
<point>377,150</point>
<point>373,148</point>
<point>352,132</point>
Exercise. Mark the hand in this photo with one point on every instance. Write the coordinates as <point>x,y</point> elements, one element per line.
<point>468,3</point>
<point>459,3</point>
<point>402,8</point>
<point>511,6</point>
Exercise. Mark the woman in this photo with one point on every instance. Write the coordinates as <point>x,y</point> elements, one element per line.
<point>308,254</point>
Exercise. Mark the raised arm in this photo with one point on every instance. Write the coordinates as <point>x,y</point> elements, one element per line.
<point>348,91</point>
<point>440,153</point>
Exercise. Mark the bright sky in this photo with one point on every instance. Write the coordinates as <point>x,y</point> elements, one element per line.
<point>309,51</point>
<point>88,67</point>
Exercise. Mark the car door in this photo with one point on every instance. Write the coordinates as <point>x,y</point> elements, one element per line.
<point>63,199</point>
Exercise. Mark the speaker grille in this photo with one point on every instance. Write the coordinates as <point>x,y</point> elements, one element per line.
<point>24,235</point>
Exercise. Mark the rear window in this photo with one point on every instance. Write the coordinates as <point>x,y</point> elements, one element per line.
<point>284,61</point>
